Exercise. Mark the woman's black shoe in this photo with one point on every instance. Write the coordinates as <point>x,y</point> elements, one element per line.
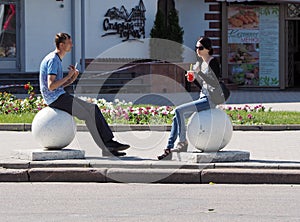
<point>166,156</point>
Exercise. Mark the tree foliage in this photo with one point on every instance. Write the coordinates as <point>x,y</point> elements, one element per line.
<point>166,37</point>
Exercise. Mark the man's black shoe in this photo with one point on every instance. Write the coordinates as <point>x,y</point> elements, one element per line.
<point>112,153</point>
<point>113,145</point>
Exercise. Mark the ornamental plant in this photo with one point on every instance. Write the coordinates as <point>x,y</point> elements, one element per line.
<point>122,112</point>
<point>9,104</point>
<point>28,87</point>
<point>246,114</point>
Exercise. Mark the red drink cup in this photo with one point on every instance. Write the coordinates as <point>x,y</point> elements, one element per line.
<point>190,76</point>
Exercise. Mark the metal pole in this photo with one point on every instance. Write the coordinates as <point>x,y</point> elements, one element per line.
<point>82,36</point>
<point>73,31</point>
<point>224,42</point>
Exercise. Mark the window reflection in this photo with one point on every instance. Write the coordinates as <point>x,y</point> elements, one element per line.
<point>8,30</point>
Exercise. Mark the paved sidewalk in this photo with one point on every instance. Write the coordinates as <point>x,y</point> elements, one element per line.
<point>274,158</point>
<point>274,155</point>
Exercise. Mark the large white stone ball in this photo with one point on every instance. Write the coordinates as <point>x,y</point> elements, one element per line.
<point>209,130</point>
<point>53,128</point>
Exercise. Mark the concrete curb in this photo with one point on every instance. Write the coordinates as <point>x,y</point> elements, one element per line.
<point>66,175</point>
<point>121,175</point>
<point>104,171</point>
<point>13,175</point>
<point>251,176</point>
<point>122,128</point>
<point>145,164</point>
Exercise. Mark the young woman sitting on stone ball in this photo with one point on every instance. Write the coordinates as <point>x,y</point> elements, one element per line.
<point>207,74</point>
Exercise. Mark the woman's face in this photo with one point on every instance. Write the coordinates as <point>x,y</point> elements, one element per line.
<point>200,50</point>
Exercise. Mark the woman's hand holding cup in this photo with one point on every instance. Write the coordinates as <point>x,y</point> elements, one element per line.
<point>190,75</point>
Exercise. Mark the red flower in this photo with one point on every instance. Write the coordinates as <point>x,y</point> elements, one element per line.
<point>26,86</point>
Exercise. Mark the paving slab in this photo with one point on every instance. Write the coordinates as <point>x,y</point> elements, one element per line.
<point>211,157</point>
<point>42,154</point>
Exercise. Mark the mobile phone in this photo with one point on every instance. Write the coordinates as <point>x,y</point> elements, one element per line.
<point>76,65</point>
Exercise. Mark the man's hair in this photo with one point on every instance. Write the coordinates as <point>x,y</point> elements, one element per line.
<point>61,38</point>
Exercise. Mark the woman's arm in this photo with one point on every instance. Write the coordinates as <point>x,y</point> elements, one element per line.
<point>215,67</point>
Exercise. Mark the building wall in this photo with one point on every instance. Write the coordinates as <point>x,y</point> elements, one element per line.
<point>192,19</point>
<point>97,45</point>
<point>199,18</point>
<point>44,18</point>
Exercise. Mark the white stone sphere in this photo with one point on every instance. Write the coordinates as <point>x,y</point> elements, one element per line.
<point>209,130</point>
<point>53,128</point>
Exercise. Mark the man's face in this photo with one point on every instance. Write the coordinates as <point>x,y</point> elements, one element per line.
<point>67,45</point>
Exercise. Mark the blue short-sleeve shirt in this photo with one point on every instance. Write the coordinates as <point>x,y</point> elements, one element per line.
<point>51,65</point>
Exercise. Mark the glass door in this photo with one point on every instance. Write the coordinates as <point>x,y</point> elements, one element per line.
<point>293,45</point>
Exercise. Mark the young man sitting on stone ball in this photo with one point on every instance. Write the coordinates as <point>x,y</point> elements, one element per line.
<point>52,83</point>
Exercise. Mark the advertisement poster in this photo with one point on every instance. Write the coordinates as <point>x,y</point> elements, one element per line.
<point>253,45</point>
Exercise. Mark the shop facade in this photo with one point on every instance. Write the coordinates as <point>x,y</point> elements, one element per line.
<point>28,28</point>
<point>257,42</point>
<point>261,43</point>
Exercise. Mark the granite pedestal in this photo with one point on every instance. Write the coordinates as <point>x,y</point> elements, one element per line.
<point>211,157</point>
<point>44,154</point>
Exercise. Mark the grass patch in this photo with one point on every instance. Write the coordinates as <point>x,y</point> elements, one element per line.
<point>261,118</point>
<point>17,118</point>
<point>23,118</point>
<point>278,117</point>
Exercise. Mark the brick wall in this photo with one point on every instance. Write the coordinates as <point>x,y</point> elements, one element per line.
<point>214,18</point>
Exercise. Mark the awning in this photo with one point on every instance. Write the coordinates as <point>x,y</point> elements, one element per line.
<point>267,1</point>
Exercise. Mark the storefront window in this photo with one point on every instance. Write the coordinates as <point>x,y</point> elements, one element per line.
<point>253,45</point>
<point>7,29</point>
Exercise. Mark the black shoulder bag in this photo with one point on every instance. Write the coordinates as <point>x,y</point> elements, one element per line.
<point>220,93</point>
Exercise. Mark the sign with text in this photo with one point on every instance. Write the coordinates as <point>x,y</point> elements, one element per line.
<point>126,25</point>
<point>253,42</point>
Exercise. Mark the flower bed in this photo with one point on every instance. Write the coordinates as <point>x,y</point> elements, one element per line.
<point>122,112</point>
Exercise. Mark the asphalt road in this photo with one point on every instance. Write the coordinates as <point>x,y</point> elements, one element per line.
<point>148,202</point>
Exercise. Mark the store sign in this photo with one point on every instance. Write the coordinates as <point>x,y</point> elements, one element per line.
<point>253,43</point>
<point>126,25</point>
<point>243,36</point>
